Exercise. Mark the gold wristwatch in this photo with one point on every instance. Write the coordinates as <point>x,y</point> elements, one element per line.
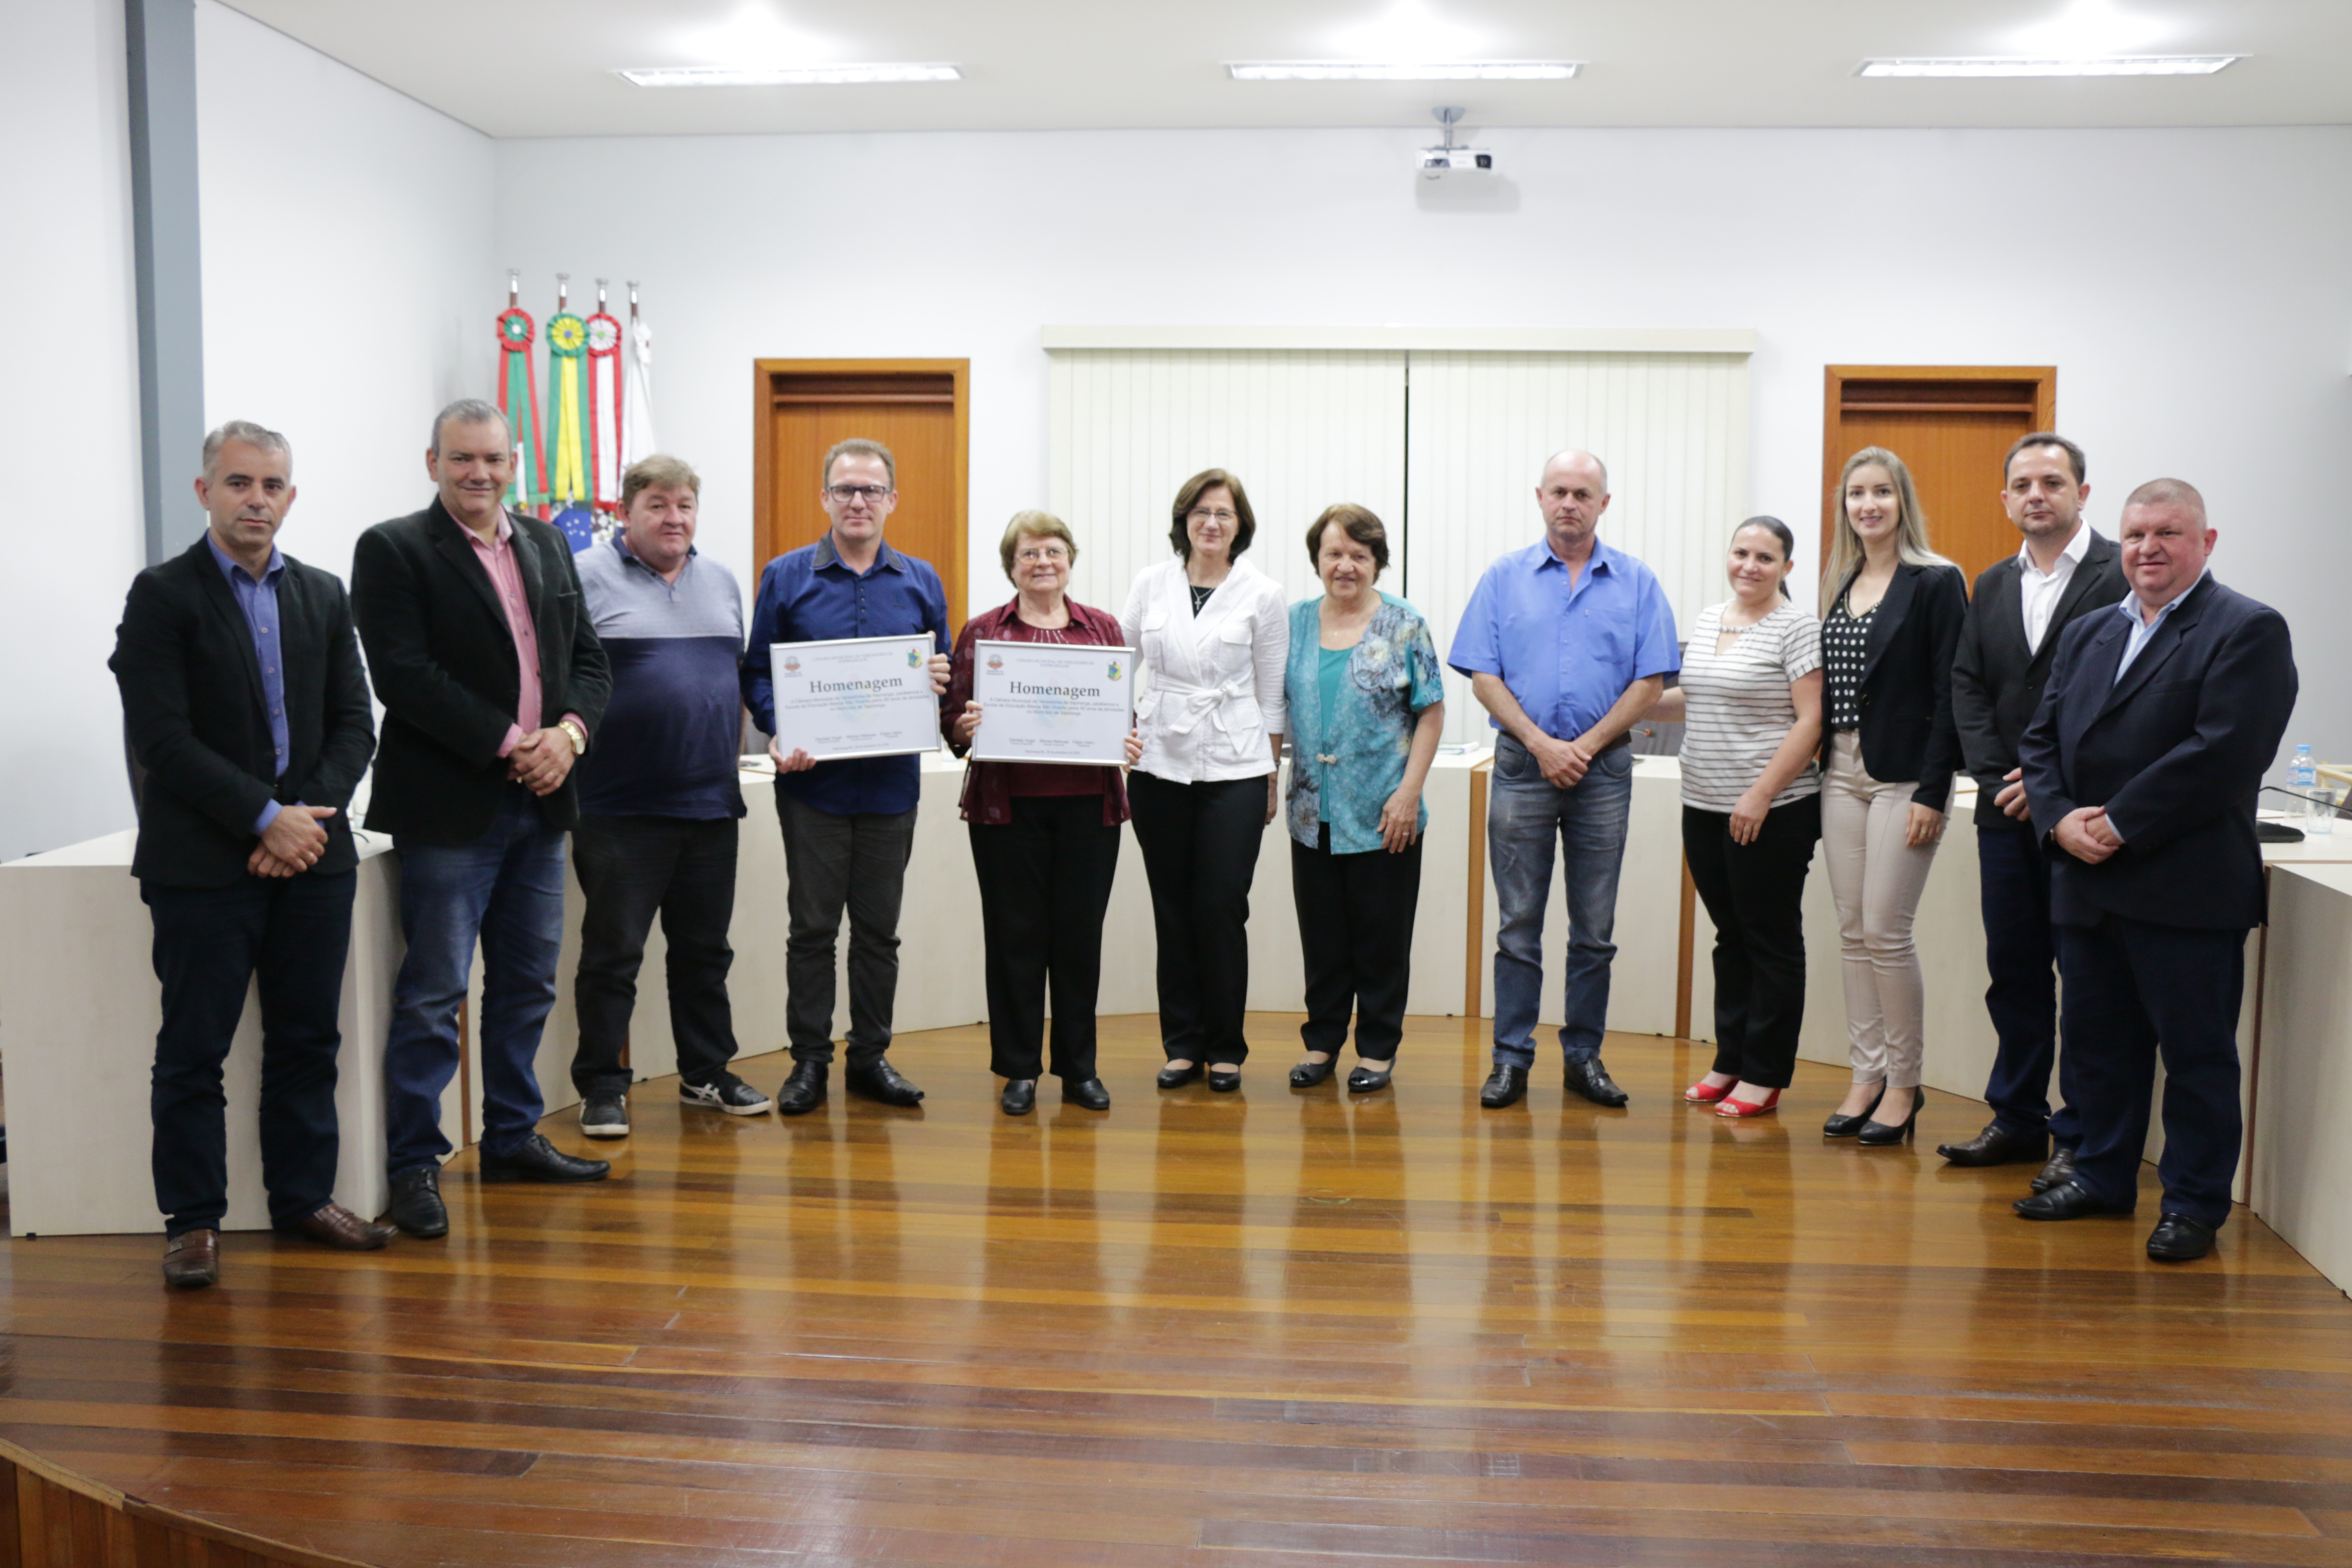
<point>579,736</point>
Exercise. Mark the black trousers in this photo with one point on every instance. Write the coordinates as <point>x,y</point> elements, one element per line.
<point>1200,844</point>
<point>211,944</point>
<point>1355,933</point>
<point>855,865</point>
<point>631,869</point>
<point>1044,882</point>
<point>2133,990</point>
<point>2013,878</point>
<point>1755,894</point>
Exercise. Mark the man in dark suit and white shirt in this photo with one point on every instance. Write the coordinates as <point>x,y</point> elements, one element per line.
<point>244,700</point>
<point>2140,769</point>
<point>2062,571</point>
<point>492,682</point>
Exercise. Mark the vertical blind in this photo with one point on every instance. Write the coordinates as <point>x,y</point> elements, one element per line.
<point>1446,445</point>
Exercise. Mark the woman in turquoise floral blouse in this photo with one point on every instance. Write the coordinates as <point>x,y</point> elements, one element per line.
<point>1366,706</point>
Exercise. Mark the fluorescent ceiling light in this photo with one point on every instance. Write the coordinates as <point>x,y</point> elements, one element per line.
<point>785,76</point>
<point>2120,65</point>
<point>1427,70</point>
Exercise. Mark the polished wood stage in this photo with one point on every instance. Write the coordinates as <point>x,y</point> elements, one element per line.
<point>1265,1331</point>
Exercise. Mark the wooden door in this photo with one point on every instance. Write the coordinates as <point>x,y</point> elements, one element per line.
<point>1951,425</point>
<point>918,409</point>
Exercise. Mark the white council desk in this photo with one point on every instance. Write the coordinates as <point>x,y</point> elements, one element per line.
<point>78,1009</point>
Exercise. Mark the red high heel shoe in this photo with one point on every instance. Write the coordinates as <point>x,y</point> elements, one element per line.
<point>1742,1107</point>
<point>1706,1093</point>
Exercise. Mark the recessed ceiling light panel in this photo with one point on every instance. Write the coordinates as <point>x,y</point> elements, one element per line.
<point>2118,65</point>
<point>785,76</point>
<point>1399,71</point>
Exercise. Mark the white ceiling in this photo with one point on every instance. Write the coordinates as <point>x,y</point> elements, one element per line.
<point>543,67</point>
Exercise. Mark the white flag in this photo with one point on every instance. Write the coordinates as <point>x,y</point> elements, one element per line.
<point>638,395</point>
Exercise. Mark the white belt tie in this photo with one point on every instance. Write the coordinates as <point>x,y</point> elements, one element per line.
<point>1194,702</point>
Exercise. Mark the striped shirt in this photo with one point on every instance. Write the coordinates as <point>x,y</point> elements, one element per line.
<point>669,740</point>
<point>1739,708</point>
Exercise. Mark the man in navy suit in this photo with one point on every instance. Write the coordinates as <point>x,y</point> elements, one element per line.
<point>2141,767</point>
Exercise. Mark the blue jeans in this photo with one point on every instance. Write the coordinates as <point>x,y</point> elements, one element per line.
<point>507,889</point>
<point>1523,814</point>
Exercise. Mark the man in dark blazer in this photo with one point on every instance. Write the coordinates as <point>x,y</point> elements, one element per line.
<point>492,683</point>
<point>245,702</point>
<point>2063,571</point>
<point>2141,768</point>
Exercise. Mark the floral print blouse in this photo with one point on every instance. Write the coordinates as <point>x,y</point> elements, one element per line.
<point>1346,763</point>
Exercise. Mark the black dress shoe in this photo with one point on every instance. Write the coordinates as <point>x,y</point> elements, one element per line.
<point>1590,1080</point>
<point>1087,1093</point>
<point>1507,1085</point>
<point>417,1206</point>
<point>1370,1079</point>
<point>2178,1238</point>
<point>877,1080</point>
<point>537,1160</point>
<point>1839,1126</point>
<point>1020,1097</point>
<point>2061,1168</point>
<point>2069,1199</point>
<point>1997,1145</point>
<point>1177,1078</point>
<point>1225,1082</point>
<point>803,1088</point>
<point>1306,1075</point>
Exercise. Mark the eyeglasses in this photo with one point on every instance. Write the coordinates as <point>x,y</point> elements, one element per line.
<point>869,494</point>
<point>1043,553</point>
<point>1207,514</point>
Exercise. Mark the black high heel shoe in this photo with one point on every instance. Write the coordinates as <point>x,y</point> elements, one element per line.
<point>1877,1134</point>
<point>1364,1080</point>
<point>1848,1126</point>
<point>1306,1075</point>
<point>1177,1078</point>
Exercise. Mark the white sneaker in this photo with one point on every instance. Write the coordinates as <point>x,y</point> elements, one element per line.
<point>727,1093</point>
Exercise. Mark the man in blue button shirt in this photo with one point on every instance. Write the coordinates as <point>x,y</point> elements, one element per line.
<point>1566,643</point>
<point>848,825</point>
<point>244,700</point>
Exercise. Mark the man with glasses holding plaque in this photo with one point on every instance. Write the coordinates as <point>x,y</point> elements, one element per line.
<point>849,825</point>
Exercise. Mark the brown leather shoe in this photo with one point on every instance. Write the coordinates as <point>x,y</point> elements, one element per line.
<point>332,1224</point>
<point>191,1259</point>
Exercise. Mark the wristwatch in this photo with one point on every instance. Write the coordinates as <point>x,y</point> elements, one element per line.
<point>579,737</point>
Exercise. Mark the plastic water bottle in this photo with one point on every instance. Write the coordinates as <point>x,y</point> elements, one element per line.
<point>2319,808</point>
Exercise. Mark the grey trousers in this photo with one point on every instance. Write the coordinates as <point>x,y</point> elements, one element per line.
<point>837,863</point>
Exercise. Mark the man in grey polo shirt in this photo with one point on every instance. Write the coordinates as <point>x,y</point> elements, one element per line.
<point>659,800</point>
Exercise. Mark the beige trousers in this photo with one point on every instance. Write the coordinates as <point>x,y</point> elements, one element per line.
<point>1876,880</point>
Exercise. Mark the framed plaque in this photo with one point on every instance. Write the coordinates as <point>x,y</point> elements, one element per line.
<point>855,697</point>
<point>1053,702</point>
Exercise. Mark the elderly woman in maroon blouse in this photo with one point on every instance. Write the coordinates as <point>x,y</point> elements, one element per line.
<point>1045,838</point>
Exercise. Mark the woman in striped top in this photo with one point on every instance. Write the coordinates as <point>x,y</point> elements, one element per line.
<point>1750,699</point>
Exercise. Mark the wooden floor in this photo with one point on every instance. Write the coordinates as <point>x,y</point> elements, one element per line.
<point>1263,1330</point>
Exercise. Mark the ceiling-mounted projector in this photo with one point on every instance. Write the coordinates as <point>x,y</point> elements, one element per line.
<point>1452,163</point>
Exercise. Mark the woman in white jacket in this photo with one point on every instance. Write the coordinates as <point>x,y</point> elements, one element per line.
<point>1215,636</point>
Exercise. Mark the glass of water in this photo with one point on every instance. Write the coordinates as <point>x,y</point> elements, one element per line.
<point>2319,816</point>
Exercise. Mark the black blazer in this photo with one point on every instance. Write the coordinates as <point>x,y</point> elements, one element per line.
<point>2175,750</point>
<point>443,666</point>
<point>1996,683</point>
<point>193,707</point>
<point>1906,691</point>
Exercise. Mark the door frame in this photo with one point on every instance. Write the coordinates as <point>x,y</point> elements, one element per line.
<point>2045,408</point>
<point>765,375</point>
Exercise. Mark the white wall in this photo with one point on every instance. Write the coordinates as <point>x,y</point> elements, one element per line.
<point>2190,285</point>
<point>351,280</point>
<point>70,400</point>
